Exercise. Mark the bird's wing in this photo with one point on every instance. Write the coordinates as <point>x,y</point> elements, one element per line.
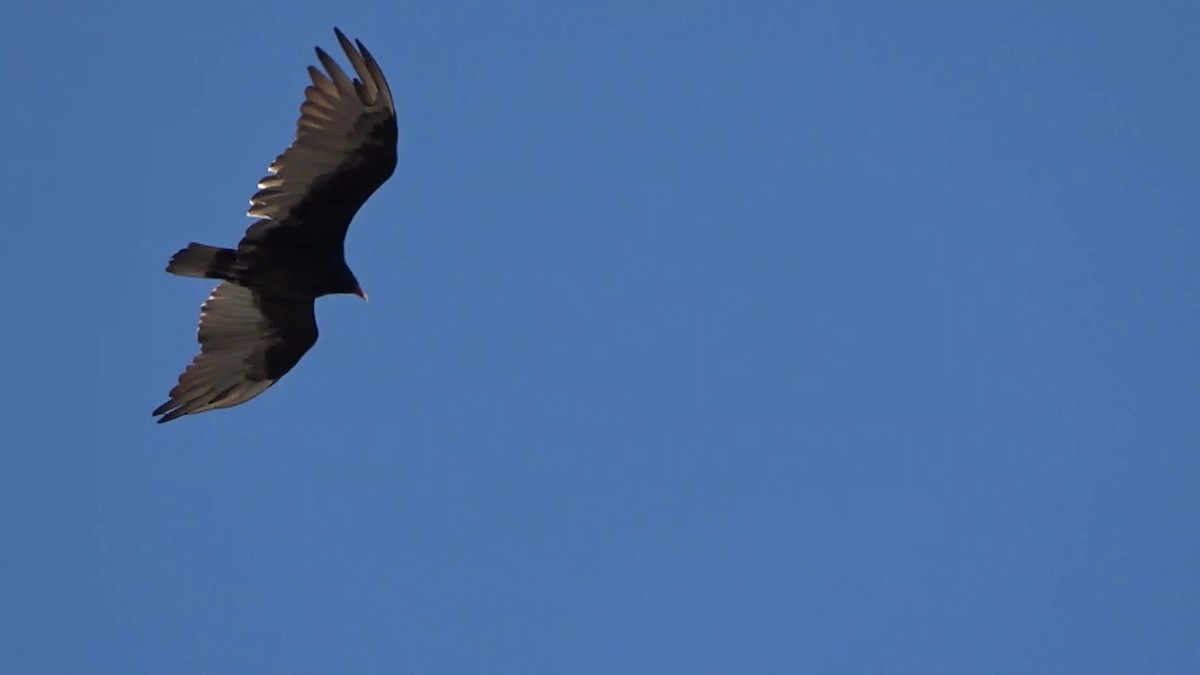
<point>345,148</point>
<point>248,341</point>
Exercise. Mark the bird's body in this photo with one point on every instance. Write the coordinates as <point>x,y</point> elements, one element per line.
<point>260,320</point>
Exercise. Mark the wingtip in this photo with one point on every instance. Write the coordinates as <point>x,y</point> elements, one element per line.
<point>345,42</point>
<point>170,414</point>
<point>159,412</point>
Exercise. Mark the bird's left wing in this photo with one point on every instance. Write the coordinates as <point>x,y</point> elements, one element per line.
<point>344,149</point>
<point>248,341</point>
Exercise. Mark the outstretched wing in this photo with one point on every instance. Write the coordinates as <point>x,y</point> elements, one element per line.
<point>248,341</point>
<point>345,148</point>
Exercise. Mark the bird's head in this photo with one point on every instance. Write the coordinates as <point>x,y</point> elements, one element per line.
<point>357,289</point>
<point>348,284</point>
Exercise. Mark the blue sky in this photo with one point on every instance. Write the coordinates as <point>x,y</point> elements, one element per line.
<point>704,337</point>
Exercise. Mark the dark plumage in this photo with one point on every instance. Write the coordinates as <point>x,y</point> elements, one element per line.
<point>259,321</point>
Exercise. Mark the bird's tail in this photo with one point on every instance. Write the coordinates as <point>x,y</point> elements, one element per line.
<point>198,260</point>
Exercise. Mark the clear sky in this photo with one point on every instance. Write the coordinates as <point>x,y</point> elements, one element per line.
<point>704,337</point>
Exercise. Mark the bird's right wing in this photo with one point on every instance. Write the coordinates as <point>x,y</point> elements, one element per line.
<point>344,149</point>
<point>248,341</point>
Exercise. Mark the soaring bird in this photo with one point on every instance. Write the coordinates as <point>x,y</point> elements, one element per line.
<point>259,320</point>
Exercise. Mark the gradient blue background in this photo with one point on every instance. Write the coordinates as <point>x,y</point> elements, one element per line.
<point>705,337</point>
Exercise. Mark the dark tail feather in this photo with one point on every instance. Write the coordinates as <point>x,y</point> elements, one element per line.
<point>198,260</point>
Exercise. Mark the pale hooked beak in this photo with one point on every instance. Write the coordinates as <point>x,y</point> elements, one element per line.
<point>361,293</point>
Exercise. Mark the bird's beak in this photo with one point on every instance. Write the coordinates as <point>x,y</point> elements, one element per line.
<point>361,293</point>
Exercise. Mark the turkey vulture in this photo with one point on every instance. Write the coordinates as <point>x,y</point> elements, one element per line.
<point>259,320</point>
